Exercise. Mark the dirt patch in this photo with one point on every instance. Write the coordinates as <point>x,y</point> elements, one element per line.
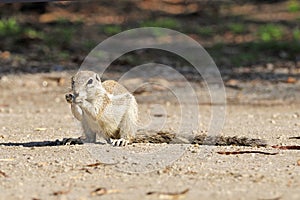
<point>33,111</point>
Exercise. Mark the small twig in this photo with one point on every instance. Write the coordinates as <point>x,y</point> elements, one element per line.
<point>244,152</point>
<point>100,164</point>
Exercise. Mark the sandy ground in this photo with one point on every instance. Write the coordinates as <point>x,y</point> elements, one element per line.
<point>33,110</point>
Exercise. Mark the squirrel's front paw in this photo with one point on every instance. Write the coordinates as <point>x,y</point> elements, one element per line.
<point>69,98</point>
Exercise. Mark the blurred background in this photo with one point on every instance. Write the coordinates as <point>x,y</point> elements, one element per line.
<point>250,41</point>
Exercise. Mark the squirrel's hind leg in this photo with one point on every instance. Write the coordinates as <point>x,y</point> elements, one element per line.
<point>127,131</point>
<point>128,124</point>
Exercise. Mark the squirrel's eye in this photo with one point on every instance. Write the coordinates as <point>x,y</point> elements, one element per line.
<point>90,82</point>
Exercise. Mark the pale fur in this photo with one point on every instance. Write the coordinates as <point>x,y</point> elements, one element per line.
<point>106,109</point>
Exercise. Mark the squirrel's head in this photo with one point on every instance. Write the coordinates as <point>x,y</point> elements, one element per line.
<point>86,85</point>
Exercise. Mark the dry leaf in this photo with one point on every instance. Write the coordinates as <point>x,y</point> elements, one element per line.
<point>101,191</point>
<point>40,129</point>
<point>298,162</point>
<point>61,192</point>
<point>291,80</point>
<point>95,164</point>
<point>190,173</point>
<point>5,55</point>
<point>3,174</point>
<point>158,87</point>
<point>169,195</point>
<point>244,152</point>
<point>233,83</point>
<point>139,91</point>
<point>86,170</point>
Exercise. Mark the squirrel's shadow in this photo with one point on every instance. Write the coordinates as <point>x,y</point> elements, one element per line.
<point>63,142</point>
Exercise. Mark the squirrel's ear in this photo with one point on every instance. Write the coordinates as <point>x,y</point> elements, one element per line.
<point>72,81</point>
<point>97,77</point>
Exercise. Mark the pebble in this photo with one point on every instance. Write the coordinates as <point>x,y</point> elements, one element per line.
<point>45,83</point>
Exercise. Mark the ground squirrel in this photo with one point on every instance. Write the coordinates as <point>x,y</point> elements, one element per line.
<point>111,111</point>
<point>107,108</point>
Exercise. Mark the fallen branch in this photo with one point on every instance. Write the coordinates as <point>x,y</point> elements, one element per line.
<point>294,147</point>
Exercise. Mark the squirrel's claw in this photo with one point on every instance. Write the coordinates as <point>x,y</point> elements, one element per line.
<point>118,142</point>
<point>72,141</point>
